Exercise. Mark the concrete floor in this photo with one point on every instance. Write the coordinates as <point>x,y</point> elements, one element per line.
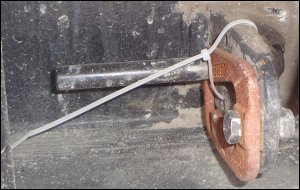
<point>138,157</point>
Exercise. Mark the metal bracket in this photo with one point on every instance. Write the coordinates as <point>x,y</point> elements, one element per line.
<point>244,157</point>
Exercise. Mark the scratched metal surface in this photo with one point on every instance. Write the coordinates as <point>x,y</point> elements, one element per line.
<point>39,36</point>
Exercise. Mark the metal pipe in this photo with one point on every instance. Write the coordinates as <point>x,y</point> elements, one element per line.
<point>118,74</point>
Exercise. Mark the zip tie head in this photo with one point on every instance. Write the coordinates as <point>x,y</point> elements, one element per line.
<point>205,54</point>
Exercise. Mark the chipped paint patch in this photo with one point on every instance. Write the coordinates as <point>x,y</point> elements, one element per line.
<point>150,18</point>
<point>278,12</point>
<point>135,33</point>
<point>27,8</point>
<point>147,116</point>
<point>43,8</point>
<point>152,63</point>
<point>63,22</point>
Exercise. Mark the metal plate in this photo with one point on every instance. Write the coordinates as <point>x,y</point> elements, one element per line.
<point>243,158</point>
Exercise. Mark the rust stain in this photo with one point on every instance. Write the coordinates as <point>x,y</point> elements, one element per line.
<point>219,70</point>
<point>243,158</point>
<point>262,62</point>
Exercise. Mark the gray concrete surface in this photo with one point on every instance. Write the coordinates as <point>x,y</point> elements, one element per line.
<point>138,157</point>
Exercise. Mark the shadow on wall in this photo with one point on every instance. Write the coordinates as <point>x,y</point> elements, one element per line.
<point>293,103</point>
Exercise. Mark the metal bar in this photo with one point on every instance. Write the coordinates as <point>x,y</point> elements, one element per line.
<point>118,74</point>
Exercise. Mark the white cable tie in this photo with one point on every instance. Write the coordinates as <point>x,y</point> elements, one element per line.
<point>205,54</point>
<point>206,57</point>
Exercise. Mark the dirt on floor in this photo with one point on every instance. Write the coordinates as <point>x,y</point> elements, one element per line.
<point>120,157</point>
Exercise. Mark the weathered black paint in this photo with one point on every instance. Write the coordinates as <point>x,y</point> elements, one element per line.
<point>119,74</point>
<point>40,36</point>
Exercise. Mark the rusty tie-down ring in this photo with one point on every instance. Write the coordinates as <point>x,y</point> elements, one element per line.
<point>244,157</point>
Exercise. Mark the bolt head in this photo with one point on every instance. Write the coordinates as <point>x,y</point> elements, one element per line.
<point>232,127</point>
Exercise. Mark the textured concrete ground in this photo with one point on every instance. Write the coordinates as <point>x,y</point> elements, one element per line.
<point>118,157</point>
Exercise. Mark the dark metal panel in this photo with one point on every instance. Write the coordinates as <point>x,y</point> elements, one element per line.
<point>40,36</point>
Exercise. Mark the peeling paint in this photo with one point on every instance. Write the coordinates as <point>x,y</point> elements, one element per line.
<point>135,33</point>
<point>150,18</point>
<point>147,116</point>
<point>27,8</point>
<point>63,22</point>
<point>152,63</point>
<point>278,12</point>
<point>43,8</point>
